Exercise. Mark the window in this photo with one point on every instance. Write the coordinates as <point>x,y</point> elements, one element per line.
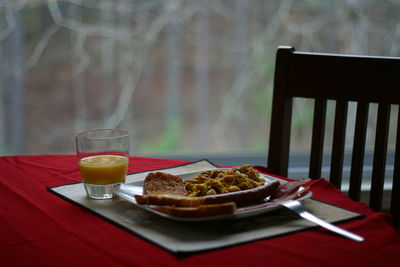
<point>184,77</point>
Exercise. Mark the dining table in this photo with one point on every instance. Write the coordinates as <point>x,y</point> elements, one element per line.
<point>46,221</point>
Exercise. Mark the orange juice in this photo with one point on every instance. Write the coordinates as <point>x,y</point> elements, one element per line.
<point>103,169</point>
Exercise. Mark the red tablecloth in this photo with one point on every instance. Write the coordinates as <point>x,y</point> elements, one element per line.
<point>38,228</point>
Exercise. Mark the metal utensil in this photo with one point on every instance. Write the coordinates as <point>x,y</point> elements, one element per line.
<point>296,206</point>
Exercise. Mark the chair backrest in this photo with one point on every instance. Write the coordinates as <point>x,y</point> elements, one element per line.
<point>342,78</point>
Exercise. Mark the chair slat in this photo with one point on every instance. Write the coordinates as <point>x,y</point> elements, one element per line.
<point>380,151</point>
<point>357,161</point>
<point>318,133</point>
<point>395,198</point>
<point>279,143</point>
<point>339,135</point>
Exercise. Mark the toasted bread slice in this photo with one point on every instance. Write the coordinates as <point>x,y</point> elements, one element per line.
<point>165,183</point>
<point>199,211</point>
<point>169,199</point>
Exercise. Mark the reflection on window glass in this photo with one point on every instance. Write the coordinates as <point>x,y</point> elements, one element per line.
<point>182,76</point>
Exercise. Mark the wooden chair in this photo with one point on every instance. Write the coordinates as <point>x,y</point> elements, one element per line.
<point>342,78</point>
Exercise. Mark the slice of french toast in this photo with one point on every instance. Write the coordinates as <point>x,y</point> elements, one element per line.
<point>199,211</point>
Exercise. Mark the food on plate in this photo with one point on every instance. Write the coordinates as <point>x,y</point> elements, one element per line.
<point>241,184</point>
<point>214,192</point>
<point>215,182</point>
<point>289,191</point>
<point>239,197</point>
<point>210,193</point>
<point>160,182</point>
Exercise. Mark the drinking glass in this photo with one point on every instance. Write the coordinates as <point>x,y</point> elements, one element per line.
<point>103,156</point>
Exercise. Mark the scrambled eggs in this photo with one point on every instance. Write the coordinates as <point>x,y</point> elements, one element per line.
<point>224,181</point>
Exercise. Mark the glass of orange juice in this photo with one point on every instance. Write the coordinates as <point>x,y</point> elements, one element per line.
<point>103,156</point>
